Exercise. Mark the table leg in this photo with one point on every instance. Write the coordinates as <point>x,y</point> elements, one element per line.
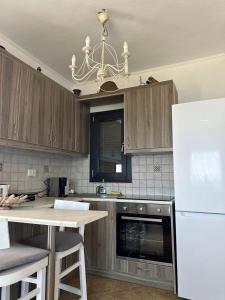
<point>51,263</point>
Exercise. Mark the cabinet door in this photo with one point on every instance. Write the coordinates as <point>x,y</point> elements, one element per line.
<point>14,97</point>
<point>45,114</point>
<point>36,128</point>
<point>100,238</point>
<point>56,102</point>
<point>68,132</point>
<point>80,127</point>
<point>148,118</point>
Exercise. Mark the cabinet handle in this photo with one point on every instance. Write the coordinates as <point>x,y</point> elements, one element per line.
<point>49,137</point>
<point>144,269</point>
<point>122,148</point>
<point>128,142</point>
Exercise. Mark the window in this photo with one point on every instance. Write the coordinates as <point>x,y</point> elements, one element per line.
<point>107,160</point>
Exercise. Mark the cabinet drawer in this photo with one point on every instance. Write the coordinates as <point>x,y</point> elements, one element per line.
<point>145,270</point>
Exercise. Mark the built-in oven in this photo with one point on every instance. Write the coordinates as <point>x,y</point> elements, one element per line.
<point>144,232</point>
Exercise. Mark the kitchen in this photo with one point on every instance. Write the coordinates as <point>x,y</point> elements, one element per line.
<point>121,151</point>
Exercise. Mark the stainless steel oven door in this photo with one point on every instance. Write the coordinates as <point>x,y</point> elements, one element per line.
<point>145,237</point>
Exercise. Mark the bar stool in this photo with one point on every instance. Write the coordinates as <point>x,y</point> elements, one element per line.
<point>18,261</point>
<point>66,244</point>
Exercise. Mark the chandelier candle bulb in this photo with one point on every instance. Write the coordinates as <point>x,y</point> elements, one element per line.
<point>88,41</point>
<point>73,61</point>
<point>125,47</point>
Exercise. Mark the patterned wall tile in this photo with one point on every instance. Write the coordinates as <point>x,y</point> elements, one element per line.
<point>151,174</point>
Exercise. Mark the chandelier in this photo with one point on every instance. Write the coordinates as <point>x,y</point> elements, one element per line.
<point>102,68</point>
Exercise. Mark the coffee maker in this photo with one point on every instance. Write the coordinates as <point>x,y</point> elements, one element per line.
<point>57,186</point>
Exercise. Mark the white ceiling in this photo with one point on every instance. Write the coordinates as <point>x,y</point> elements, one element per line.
<point>158,32</point>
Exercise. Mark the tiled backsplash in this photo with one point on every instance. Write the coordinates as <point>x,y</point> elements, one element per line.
<point>15,164</point>
<point>151,174</point>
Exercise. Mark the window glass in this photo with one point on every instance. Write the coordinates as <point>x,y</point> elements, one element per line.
<point>110,156</point>
<point>107,159</point>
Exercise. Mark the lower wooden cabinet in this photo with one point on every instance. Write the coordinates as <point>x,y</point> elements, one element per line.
<point>146,271</point>
<point>101,259</point>
<point>100,239</point>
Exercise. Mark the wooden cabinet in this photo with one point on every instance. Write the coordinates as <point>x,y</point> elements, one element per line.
<point>81,127</point>
<point>14,87</point>
<point>37,113</point>
<point>148,118</point>
<point>159,275</point>
<point>100,239</point>
<point>100,243</point>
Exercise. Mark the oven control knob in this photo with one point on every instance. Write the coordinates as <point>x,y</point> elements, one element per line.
<point>158,210</point>
<point>125,208</point>
<point>141,209</point>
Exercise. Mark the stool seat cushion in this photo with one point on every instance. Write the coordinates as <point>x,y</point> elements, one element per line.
<point>63,241</point>
<point>19,254</point>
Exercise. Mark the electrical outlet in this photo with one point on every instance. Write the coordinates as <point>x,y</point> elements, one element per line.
<point>1,166</point>
<point>31,172</point>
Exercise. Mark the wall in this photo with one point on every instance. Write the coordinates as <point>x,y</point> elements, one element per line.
<point>15,164</point>
<point>151,174</point>
<point>33,61</point>
<point>202,78</point>
<point>195,80</point>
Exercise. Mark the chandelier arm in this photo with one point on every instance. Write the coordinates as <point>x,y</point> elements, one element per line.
<point>115,69</point>
<point>76,76</point>
<point>93,61</point>
<point>95,48</point>
<point>114,75</point>
<point>113,53</point>
<point>87,61</point>
<point>82,78</point>
<point>81,70</point>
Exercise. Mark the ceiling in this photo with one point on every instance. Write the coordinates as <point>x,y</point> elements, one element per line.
<point>158,32</point>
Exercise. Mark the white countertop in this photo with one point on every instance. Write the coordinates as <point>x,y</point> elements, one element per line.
<point>49,201</point>
<point>108,199</point>
<point>53,217</point>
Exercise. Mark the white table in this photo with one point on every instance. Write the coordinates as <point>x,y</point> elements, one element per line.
<point>52,218</point>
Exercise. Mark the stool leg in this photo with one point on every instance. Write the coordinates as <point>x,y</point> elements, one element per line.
<point>58,263</point>
<point>24,288</point>
<point>82,271</point>
<point>5,293</point>
<point>41,283</point>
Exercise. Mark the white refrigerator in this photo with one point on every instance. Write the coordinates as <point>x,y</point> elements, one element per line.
<point>199,176</point>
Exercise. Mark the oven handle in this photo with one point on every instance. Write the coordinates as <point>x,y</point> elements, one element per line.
<point>141,219</point>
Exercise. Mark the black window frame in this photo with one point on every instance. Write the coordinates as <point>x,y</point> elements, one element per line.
<point>95,175</point>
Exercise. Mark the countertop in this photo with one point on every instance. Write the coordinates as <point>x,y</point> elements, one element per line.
<point>52,217</point>
<point>46,202</point>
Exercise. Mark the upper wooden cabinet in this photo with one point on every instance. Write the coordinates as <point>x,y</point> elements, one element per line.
<point>148,118</point>
<point>38,113</point>
<point>147,115</point>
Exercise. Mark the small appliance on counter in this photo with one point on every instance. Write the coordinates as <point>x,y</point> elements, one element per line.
<point>101,190</point>
<point>4,190</point>
<point>57,186</point>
